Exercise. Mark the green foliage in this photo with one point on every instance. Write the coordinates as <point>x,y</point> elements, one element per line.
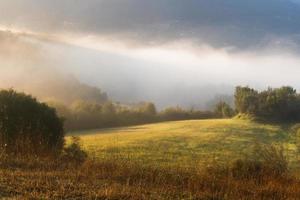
<point>148,111</point>
<point>83,115</point>
<point>229,99</point>
<point>73,154</point>
<point>224,110</point>
<point>246,100</point>
<point>276,104</point>
<point>174,113</point>
<point>177,113</point>
<point>281,103</point>
<point>27,126</point>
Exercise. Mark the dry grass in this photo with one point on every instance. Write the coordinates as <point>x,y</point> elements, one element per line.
<point>114,179</point>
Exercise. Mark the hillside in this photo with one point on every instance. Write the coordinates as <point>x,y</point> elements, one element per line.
<point>186,142</point>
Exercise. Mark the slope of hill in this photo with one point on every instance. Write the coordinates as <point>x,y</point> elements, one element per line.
<point>187,142</point>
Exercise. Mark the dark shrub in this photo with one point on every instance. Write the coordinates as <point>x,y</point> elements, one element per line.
<point>247,168</point>
<point>27,126</point>
<point>73,154</point>
<point>266,161</point>
<point>273,159</point>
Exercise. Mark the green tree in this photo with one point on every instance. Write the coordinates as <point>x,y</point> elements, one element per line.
<point>109,114</point>
<point>222,109</point>
<point>147,112</point>
<point>150,109</point>
<point>246,100</point>
<point>27,126</point>
<point>272,104</point>
<point>280,103</point>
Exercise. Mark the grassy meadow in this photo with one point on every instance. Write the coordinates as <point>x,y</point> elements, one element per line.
<point>187,143</point>
<point>183,160</point>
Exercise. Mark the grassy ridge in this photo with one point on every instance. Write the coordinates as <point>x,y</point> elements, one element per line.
<point>186,142</point>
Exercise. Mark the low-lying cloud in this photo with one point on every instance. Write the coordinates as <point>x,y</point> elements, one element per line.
<point>27,65</point>
<point>171,52</point>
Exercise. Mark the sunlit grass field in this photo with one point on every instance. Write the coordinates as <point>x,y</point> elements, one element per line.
<point>186,142</point>
<point>164,161</point>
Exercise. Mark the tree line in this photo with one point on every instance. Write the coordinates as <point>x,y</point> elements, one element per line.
<point>38,128</point>
<point>87,115</point>
<point>279,104</point>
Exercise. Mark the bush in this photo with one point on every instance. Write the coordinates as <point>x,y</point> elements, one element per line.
<point>295,129</point>
<point>27,126</point>
<point>266,161</point>
<point>247,169</point>
<point>73,154</point>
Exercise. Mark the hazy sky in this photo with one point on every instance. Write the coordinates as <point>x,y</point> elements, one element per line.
<point>168,51</point>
